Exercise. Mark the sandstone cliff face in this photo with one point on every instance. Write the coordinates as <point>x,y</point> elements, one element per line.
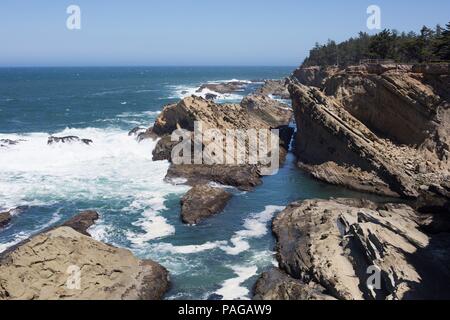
<point>391,129</point>
<point>41,268</point>
<point>332,244</point>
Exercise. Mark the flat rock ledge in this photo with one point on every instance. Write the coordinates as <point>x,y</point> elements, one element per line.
<point>46,266</point>
<point>201,202</point>
<point>339,244</point>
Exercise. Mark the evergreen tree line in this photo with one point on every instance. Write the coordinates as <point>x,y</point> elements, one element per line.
<point>427,46</point>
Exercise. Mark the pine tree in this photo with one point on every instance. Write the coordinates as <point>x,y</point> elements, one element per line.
<point>442,44</point>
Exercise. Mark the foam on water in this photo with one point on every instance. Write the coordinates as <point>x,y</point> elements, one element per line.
<point>189,249</point>
<point>115,167</point>
<point>232,289</point>
<point>255,227</point>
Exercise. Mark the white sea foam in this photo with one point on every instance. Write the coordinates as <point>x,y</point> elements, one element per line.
<point>17,239</point>
<point>232,289</point>
<point>169,248</point>
<point>255,227</point>
<point>115,167</point>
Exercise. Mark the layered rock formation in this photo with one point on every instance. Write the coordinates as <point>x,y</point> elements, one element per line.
<point>256,113</point>
<point>276,88</point>
<point>63,263</point>
<point>385,133</point>
<point>201,202</point>
<point>357,249</point>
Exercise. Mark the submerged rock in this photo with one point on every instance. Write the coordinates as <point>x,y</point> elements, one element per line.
<point>339,244</point>
<point>201,202</point>
<point>9,142</point>
<point>277,285</point>
<point>46,267</point>
<point>68,139</point>
<point>5,219</point>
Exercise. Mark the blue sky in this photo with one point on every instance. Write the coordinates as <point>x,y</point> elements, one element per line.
<point>192,32</point>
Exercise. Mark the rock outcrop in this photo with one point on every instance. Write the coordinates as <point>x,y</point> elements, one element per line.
<point>224,87</point>
<point>201,202</point>
<point>184,114</point>
<point>345,245</point>
<point>5,219</point>
<point>386,134</point>
<point>275,113</point>
<point>276,88</point>
<point>68,139</point>
<point>277,285</point>
<point>313,76</point>
<point>49,265</point>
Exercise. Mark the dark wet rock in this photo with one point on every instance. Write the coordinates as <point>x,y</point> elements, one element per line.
<point>68,139</point>
<point>107,273</point>
<point>277,285</point>
<point>245,178</point>
<point>163,149</point>
<point>333,243</point>
<point>83,221</point>
<point>8,142</point>
<point>201,202</point>
<point>5,219</point>
<point>136,131</point>
<point>211,96</point>
<point>148,134</point>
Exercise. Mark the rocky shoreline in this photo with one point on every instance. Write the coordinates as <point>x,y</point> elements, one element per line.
<point>378,129</point>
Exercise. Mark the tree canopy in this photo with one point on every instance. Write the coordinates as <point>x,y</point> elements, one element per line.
<point>425,46</point>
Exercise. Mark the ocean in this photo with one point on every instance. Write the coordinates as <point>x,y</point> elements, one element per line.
<point>220,258</point>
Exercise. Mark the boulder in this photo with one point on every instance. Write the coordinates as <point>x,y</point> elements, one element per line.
<point>341,244</point>
<point>201,202</point>
<point>223,87</point>
<point>277,285</point>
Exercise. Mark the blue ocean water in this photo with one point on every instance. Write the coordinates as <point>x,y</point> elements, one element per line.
<point>220,258</point>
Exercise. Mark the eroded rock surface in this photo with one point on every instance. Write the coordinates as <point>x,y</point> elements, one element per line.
<point>274,113</point>
<point>334,243</point>
<point>39,268</point>
<point>201,202</point>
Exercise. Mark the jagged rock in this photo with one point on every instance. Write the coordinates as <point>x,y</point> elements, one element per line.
<point>183,115</point>
<point>142,134</point>
<point>313,76</point>
<point>68,139</point>
<point>5,219</point>
<point>9,142</point>
<point>333,243</point>
<point>277,285</point>
<point>136,131</point>
<point>83,221</point>
<point>245,177</point>
<point>39,269</point>
<point>211,96</point>
<point>201,202</point>
<point>274,113</point>
<point>277,88</point>
<point>163,149</point>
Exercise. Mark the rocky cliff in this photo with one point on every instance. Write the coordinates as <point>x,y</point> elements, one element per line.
<point>381,130</point>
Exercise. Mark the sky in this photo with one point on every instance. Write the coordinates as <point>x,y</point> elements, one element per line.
<point>193,32</point>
